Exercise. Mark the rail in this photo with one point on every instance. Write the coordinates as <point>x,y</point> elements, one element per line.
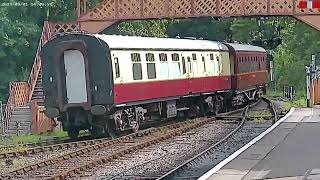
<point>171,173</point>
<point>149,137</point>
<point>273,109</point>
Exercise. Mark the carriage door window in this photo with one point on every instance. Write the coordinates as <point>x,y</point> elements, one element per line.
<point>219,65</point>
<point>194,64</point>
<point>189,65</point>
<point>136,66</point>
<point>176,72</point>
<point>117,67</point>
<point>259,62</point>
<point>76,84</point>
<point>151,66</point>
<point>184,69</point>
<point>213,64</point>
<point>204,64</point>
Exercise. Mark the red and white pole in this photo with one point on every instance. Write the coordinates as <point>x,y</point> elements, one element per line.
<point>309,4</point>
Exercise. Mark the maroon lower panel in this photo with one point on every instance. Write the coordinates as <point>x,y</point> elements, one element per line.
<point>158,89</point>
<point>247,80</point>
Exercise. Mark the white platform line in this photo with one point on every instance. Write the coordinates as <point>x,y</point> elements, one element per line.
<point>237,153</point>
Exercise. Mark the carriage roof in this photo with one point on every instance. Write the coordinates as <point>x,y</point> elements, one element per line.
<point>133,42</point>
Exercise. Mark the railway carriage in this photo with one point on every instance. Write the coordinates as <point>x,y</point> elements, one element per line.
<point>108,83</point>
<point>250,71</point>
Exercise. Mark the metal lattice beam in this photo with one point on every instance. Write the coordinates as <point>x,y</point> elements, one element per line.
<point>110,11</point>
<point>114,10</point>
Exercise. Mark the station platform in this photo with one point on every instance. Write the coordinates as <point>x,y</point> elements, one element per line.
<point>288,150</point>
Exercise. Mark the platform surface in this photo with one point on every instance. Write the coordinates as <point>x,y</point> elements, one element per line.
<point>290,151</point>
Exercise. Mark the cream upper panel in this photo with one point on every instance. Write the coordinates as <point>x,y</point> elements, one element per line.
<point>191,64</point>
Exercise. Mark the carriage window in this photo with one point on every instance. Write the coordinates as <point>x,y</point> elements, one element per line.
<point>117,67</point>
<point>135,57</point>
<point>175,57</point>
<point>211,57</point>
<point>184,69</point>
<point>136,66</point>
<point>164,68</point>
<point>151,66</point>
<point>163,57</point>
<point>194,57</point>
<point>150,57</point>
<point>204,64</point>
<point>176,72</point>
<point>137,71</point>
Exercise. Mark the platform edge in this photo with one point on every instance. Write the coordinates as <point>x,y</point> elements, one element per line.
<point>245,147</point>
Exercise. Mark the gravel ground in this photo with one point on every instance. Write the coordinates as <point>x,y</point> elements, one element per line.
<point>242,137</point>
<point>155,161</point>
<point>160,157</point>
<point>34,158</point>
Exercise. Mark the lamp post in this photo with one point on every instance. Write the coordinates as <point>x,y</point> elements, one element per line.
<point>308,79</point>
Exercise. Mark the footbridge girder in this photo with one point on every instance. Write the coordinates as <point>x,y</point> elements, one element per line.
<point>109,11</point>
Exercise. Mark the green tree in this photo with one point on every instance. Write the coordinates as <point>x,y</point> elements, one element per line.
<point>153,28</point>
<point>299,42</point>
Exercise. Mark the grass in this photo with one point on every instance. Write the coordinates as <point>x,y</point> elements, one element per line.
<point>259,116</point>
<point>272,93</point>
<point>296,103</point>
<point>259,113</point>
<point>16,143</point>
<point>31,138</point>
<point>299,101</point>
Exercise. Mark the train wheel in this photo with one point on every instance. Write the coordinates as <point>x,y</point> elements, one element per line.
<point>135,128</point>
<point>194,111</point>
<point>96,131</point>
<point>73,133</point>
<point>110,129</point>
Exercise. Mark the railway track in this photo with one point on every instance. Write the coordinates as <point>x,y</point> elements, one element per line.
<point>204,154</point>
<point>69,164</point>
<point>148,163</point>
<point>85,155</point>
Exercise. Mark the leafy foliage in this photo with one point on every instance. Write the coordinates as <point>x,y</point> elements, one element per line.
<point>19,35</point>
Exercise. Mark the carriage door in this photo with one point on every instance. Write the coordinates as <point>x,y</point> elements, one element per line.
<point>184,67</point>
<point>76,85</point>
<point>194,65</point>
<point>189,67</point>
